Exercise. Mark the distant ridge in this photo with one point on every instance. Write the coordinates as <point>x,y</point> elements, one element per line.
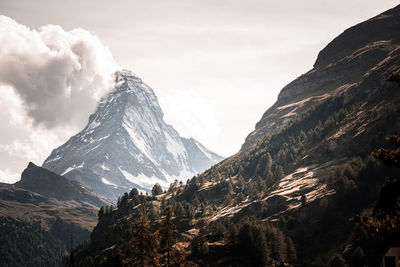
<point>51,185</point>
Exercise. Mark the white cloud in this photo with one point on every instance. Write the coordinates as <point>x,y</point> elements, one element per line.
<point>58,75</point>
<point>50,82</point>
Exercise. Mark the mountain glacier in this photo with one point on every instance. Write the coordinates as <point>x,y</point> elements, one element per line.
<point>127,143</point>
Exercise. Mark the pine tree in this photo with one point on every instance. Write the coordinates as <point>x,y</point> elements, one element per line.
<point>252,243</point>
<point>101,212</point>
<point>241,183</point>
<point>195,202</point>
<point>157,190</point>
<point>134,192</point>
<point>142,248</point>
<point>278,173</point>
<point>229,188</point>
<point>180,211</point>
<point>190,212</point>
<point>124,200</point>
<point>171,254</point>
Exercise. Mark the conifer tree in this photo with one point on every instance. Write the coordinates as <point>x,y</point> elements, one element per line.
<point>171,254</point>
<point>134,192</point>
<point>195,201</point>
<point>179,210</point>
<point>278,173</point>
<point>156,190</point>
<point>101,212</point>
<point>229,188</point>
<point>142,248</point>
<point>190,212</point>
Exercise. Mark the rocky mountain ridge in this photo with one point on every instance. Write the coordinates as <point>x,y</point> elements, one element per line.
<point>350,62</point>
<point>51,185</point>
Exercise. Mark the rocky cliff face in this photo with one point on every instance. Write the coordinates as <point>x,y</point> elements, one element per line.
<point>361,58</point>
<point>128,144</point>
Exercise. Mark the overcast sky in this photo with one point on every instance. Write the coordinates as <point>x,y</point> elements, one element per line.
<point>216,66</point>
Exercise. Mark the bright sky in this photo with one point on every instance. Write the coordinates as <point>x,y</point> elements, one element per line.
<point>216,66</point>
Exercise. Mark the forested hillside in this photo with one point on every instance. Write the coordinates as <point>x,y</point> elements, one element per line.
<point>296,192</point>
<point>25,244</point>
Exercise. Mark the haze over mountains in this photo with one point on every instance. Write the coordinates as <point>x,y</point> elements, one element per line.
<point>127,143</point>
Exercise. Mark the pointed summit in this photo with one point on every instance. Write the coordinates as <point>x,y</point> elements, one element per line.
<point>128,144</point>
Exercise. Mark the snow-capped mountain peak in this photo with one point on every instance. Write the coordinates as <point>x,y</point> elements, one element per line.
<point>127,143</point>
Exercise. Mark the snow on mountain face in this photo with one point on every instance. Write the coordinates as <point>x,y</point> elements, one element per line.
<point>128,144</point>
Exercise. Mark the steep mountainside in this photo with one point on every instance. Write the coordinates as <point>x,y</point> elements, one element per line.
<point>315,140</point>
<point>326,120</point>
<point>288,198</point>
<point>24,244</point>
<point>128,144</point>
<point>51,185</point>
<point>356,62</point>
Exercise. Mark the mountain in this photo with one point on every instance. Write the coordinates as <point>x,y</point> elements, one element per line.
<point>357,61</point>
<point>51,185</point>
<point>128,144</point>
<point>57,217</point>
<point>327,120</point>
<point>291,195</point>
<point>37,230</point>
<point>40,214</point>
